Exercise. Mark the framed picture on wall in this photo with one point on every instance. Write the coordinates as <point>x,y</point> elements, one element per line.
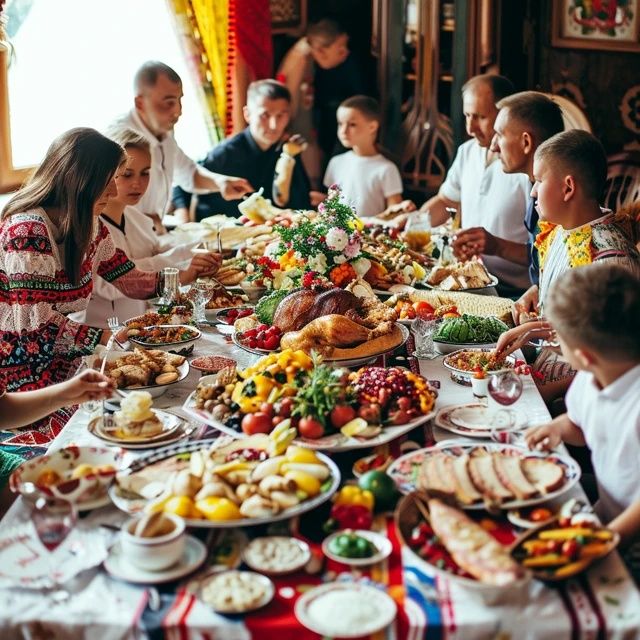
<point>610,25</point>
<point>288,16</point>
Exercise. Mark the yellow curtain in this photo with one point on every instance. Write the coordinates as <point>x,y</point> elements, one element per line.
<point>206,27</point>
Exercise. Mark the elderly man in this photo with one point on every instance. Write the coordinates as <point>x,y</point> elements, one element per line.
<point>158,106</point>
<point>524,122</point>
<point>476,184</point>
<point>256,154</point>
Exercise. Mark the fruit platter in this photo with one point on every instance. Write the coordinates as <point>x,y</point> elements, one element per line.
<point>564,546</point>
<point>491,475</point>
<point>323,407</point>
<point>225,483</point>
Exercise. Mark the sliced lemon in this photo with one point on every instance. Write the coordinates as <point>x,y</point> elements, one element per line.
<point>354,427</point>
<point>418,271</point>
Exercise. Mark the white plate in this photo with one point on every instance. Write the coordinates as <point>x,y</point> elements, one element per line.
<point>379,609</point>
<point>382,544</point>
<point>473,420</point>
<point>133,506</point>
<point>24,562</point>
<point>170,424</point>
<point>304,555</point>
<point>404,470</point>
<point>339,362</point>
<point>493,283</point>
<point>334,442</point>
<point>194,555</point>
<point>154,389</point>
<point>255,578</point>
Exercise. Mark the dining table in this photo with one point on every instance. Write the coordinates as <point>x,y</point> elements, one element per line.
<point>600,603</point>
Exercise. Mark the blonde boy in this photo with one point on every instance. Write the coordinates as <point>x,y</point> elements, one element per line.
<point>370,182</point>
<point>595,311</point>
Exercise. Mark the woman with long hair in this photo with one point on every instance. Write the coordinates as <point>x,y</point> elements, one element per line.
<point>51,245</point>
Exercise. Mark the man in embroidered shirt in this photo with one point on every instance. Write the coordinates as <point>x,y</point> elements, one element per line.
<point>476,184</point>
<point>158,106</point>
<point>524,122</point>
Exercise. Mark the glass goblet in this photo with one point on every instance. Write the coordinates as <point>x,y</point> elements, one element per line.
<point>505,388</point>
<point>423,331</point>
<point>202,293</point>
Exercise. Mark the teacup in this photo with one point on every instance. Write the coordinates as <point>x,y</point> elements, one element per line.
<point>154,552</point>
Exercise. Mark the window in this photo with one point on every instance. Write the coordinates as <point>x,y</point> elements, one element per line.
<point>73,64</point>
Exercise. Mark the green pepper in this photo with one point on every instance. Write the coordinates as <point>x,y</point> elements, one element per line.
<point>351,545</point>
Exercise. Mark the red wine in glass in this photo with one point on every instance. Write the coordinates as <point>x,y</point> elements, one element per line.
<point>505,388</point>
<point>53,519</point>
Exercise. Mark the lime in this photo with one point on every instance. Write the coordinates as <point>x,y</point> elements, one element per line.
<point>354,427</point>
<point>381,486</point>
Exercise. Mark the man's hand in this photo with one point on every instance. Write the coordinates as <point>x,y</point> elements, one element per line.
<point>232,188</point>
<point>525,308</point>
<point>406,206</point>
<point>543,438</point>
<point>473,242</point>
<point>89,385</point>
<point>202,265</point>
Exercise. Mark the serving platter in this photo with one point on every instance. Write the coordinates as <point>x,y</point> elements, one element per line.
<point>450,347</point>
<point>339,362</point>
<point>154,389</point>
<point>491,285</point>
<point>404,470</point>
<point>133,505</point>
<point>334,442</point>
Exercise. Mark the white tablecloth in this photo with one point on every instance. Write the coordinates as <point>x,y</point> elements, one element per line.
<point>605,604</point>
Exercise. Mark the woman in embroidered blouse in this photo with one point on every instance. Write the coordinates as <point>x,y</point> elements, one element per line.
<point>132,231</point>
<point>51,244</point>
<point>570,170</point>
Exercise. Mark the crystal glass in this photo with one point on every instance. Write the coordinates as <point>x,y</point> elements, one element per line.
<point>505,388</point>
<point>417,232</point>
<point>423,331</point>
<point>202,292</point>
<point>170,285</point>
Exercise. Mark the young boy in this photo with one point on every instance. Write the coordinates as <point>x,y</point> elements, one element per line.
<point>594,311</point>
<point>253,154</point>
<point>369,182</point>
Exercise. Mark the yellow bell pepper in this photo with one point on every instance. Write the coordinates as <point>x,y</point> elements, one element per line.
<point>351,494</point>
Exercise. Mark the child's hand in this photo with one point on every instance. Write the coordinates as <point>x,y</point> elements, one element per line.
<point>518,337</point>
<point>525,308</point>
<point>88,385</point>
<point>543,438</point>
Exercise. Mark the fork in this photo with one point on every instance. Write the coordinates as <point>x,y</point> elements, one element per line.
<point>113,324</point>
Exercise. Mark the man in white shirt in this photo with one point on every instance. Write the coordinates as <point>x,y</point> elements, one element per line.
<point>158,106</point>
<point>477,185</point>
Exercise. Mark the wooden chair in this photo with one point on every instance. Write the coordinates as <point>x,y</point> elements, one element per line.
<point>623,180</point>
<point>574,117</point>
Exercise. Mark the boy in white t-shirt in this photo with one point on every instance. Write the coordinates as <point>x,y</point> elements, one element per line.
<point>369,182</point>
<point>594,311</point>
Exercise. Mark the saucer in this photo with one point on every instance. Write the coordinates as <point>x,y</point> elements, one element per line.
<point>194,555</point>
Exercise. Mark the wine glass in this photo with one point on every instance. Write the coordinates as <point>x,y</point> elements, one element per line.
<point>505,387</point>
<point>202,293</point>
<point>53,520</point>
<point>423,331</point>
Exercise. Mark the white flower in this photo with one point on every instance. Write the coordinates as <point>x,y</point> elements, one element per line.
<point>339,259</point>
<point>318,263</point>
<point>337,239</point>
<point>361,266</point>
<point>353,247</point>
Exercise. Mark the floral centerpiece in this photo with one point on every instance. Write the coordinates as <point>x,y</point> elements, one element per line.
<point>322,246</point>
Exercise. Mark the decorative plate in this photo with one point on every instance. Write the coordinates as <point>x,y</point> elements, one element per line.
<point>473,420</point>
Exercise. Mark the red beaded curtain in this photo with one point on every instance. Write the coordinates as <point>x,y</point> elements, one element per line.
<point>228,45</point>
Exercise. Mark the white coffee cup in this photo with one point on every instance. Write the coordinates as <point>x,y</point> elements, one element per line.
<point>153,553</point>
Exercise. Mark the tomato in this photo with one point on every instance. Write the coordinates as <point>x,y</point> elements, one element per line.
<point>271,342</point>
<point>266,407</point>
<point>341,414</point>
<point>310,428</point>
<point>570,548</point>
<point>256,423</point>
<point>422,306</point>
<point>284,407</point>
<point>553,546</point>
<point>540,515</point>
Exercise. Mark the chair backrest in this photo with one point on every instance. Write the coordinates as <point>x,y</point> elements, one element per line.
<point>574,117</point>
<point>623,180</point>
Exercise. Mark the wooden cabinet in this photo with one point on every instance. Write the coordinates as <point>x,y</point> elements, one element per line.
<point>444,44</point>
